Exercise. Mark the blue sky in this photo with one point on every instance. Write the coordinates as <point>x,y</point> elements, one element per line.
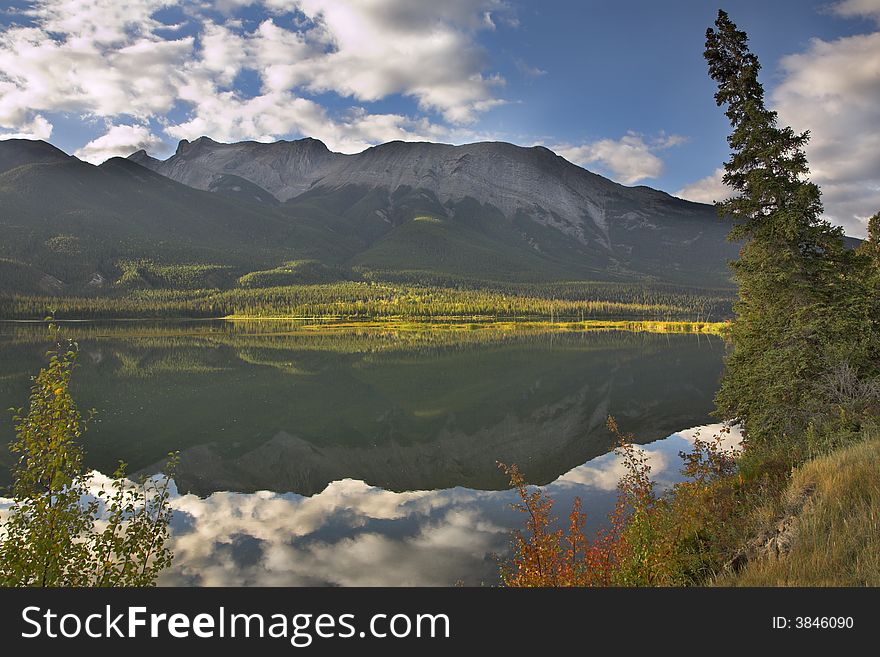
<point>618,87</point>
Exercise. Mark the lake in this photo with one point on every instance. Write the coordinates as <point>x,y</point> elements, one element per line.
<point>351,454</point>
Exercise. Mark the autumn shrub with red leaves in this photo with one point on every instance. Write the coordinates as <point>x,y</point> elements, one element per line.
<point>679,538</point>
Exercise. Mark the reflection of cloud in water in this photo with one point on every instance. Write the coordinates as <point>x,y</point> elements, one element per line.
<point>353,534</point>
<point>350,534</point>
<point>730,439</point>
<point>605,471</point>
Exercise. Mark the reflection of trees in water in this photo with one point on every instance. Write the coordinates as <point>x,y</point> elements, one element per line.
<point>296,408</point>
<point>364,337</point>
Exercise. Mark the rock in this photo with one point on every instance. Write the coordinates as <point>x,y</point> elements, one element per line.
<point>97,280</point>
<point>778,542</point>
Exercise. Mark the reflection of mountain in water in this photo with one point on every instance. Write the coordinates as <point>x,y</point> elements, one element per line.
<point>352,534</point>
<point>293,414</point>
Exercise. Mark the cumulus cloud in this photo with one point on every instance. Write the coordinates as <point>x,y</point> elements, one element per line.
<point>36,128</point>
<point>120,140</point>
<point>339,536</point>
<point>605,472</point>
<point>629,159</point>
<point>730,434</point>
<point>707,190</point>
<point>354,534</point>
<point>93,57</point>
<point>833,90</point>
<point>113,59</point>
<point>858,8</point>
<point>422,50</point>
<point>228,118</point>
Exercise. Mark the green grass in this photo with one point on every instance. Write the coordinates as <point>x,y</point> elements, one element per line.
<point>297,272</point>
<point>836,535</point>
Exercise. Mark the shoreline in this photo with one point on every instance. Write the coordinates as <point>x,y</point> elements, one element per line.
<point>450,323</point>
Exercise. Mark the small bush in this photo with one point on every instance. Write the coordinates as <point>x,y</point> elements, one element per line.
<point>56,533</point>
<point>679,538</point>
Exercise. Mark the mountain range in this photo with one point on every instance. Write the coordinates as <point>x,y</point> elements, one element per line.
<point>487,211</point>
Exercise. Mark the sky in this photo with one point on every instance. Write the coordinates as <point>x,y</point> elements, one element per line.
<point>617,86</point>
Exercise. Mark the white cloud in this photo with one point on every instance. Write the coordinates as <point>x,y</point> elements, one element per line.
<point>858,8</point>
<point>119,140</point>
<point>730,435</point>
<point>228,118</point>
<point>706,190</point>
<point>424,50</point>
<point>36,128</point>
<point>360,129</point>
<point>833,90</point>
<point>100,22</point>
<point>527,69</point>
<point>75,74</point>
<point>629,159</point>
<point>605,472</point>
<point>290,545</point>
<point>112,59</point>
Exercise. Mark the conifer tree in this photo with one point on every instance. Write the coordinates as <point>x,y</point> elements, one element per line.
<point>802,298</point>
<point>871,246</point>
<point>870,249</point>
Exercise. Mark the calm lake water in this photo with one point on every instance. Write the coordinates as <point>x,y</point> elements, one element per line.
<point>352,455</point>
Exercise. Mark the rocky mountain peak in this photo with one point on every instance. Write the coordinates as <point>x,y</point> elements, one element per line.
<point>519,182</point>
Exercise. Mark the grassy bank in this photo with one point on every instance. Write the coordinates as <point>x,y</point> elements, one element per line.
<point>455,325</point>
<point>762,518</point>
<point>824,530</point>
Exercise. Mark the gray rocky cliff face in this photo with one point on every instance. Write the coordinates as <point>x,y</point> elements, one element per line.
<point>516,180</point>
<point>284,169</point>
<point>531,181</point>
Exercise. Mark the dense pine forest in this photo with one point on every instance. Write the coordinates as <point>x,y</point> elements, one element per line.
<point>368,299</point>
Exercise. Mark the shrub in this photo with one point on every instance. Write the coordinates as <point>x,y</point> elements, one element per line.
<point>682,537</point>
<point>56,533</point>
<point>543,556</point>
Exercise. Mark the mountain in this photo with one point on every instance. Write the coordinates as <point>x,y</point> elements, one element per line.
<point>72,227</point>
<point>491,194</point>
<point>18,152</point>
<point>284,169</point>
<point>487,211</point>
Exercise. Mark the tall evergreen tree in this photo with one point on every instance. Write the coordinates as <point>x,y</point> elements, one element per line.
<point>870,249</point>
<point>801,293</point>
<point>871,246</point>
